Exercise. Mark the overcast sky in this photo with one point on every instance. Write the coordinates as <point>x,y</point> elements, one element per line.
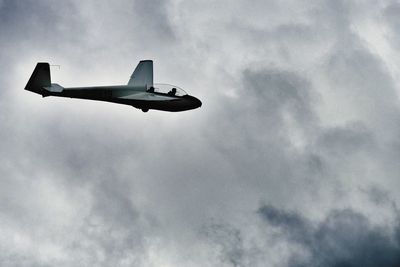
<point>293,159</point>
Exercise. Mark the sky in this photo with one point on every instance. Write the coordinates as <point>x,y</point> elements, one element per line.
<point>292,160</point>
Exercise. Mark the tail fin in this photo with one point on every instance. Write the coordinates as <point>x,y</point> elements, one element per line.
<point>40,78</point>
<point>143,74</point>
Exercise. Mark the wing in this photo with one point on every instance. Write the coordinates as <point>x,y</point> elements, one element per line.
<point>147,97</point>
<point>143,74</point>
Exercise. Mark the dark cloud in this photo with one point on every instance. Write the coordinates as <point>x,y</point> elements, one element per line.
<point>26,15</point>
<point>228,241</point>
<point>36,25</point>
<point>378,195</point>
<point>279,93</point>
<point>390,15</point>
<point>343,238</point>
<point>155,18</point>
<point>350,140</point>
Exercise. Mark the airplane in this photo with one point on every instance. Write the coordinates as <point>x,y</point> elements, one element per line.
<point>140,92</point>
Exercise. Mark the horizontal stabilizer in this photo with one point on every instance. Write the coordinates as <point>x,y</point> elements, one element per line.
<point>56,88</point>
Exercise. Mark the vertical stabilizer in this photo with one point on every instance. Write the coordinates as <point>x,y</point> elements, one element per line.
<point>40,78</point>
<point>143,74</point>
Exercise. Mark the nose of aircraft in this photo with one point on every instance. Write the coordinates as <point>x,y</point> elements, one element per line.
<point>195,102</point>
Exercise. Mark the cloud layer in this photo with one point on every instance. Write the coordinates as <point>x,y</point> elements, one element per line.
<point>343,238</point>
<point>291,161</point>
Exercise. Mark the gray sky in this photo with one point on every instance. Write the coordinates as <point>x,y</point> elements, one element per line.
<point>291,161</point>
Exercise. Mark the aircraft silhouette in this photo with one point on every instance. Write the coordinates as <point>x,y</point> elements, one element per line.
<point>140,92</point>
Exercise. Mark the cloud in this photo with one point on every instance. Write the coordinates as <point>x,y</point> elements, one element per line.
<point>155,18</point>
<point>228,242</point>
<point>343,238</point>
<point>300,110</point>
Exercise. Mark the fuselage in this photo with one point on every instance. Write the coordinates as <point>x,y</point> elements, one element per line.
<point>130,95</point>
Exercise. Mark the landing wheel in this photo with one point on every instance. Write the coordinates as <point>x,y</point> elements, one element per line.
<point>145,109</point>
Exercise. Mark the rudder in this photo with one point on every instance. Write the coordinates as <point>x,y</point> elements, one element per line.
<point>40,78</point>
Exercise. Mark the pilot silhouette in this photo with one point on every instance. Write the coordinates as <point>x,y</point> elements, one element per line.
<point>172,92</point>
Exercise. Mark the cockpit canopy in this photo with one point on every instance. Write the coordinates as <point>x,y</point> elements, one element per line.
<point>168,89</point>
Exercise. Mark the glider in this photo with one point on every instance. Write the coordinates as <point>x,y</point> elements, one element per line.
<point>140,92</point>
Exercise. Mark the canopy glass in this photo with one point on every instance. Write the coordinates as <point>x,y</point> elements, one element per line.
<point>168,89</point>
